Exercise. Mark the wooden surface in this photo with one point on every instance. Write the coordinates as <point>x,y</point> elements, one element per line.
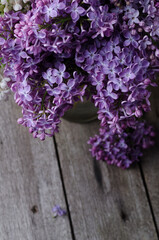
<point>29,180</point>
<point>102,202</point>
<point>105,202</point>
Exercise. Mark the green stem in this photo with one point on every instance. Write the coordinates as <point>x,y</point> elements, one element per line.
<point>43,99</point>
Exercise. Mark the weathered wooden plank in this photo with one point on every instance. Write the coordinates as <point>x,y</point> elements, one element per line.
<point>150,162</point>
<point>30,184</point>
<point>105,202</point>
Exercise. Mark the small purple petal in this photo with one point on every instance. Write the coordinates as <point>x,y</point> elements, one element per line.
<point>2,41</point>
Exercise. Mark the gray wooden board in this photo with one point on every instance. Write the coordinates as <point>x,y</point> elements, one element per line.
<point>106,203</point>
<point>29,176</point>
<point>150,163</point>
<point>150,166</point>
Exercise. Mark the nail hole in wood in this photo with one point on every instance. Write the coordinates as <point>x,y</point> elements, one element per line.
<point>123,215</point>
<point>34,209</point>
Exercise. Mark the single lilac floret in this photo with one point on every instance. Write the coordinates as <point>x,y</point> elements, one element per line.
<point>75,10</point>
<point>58,211</point>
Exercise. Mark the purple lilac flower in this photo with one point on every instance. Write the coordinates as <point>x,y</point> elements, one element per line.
<point>75,10</point>
<point>127,74</point>
<point>118,83</point>
<point>60,73</point>
<point>133,17</point>
<point>102,21</point>
<point>58,211</point>
<point>48,75</point>
<point>111,69</point>
<point>113,45</point>
<point>121,149</point>
<point>24,92</point>
<point>109,92</point>
<point>145,4</point>
<point>56,75</point>
<point>97,81</point>
<point>61,51</point>
<point>131,39</point>
<point>51,10</point>
<point>90,55</point>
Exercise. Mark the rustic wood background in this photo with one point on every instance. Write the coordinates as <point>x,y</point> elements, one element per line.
<point>102,202</point>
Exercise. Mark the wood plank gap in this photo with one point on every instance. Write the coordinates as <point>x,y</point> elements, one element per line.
<point>149,200</point>
<point>64,189</point>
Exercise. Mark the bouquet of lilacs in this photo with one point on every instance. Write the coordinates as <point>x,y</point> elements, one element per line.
<point>61,51</point>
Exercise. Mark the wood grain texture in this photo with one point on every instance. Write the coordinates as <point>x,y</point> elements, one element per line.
<point>150,163</point>
<point>30,184</point>
<point>150,168</point>
<point>105,202</point>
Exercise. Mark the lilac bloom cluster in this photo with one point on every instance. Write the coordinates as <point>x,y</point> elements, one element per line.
<point>122,148</point>
<point>61,51</point>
